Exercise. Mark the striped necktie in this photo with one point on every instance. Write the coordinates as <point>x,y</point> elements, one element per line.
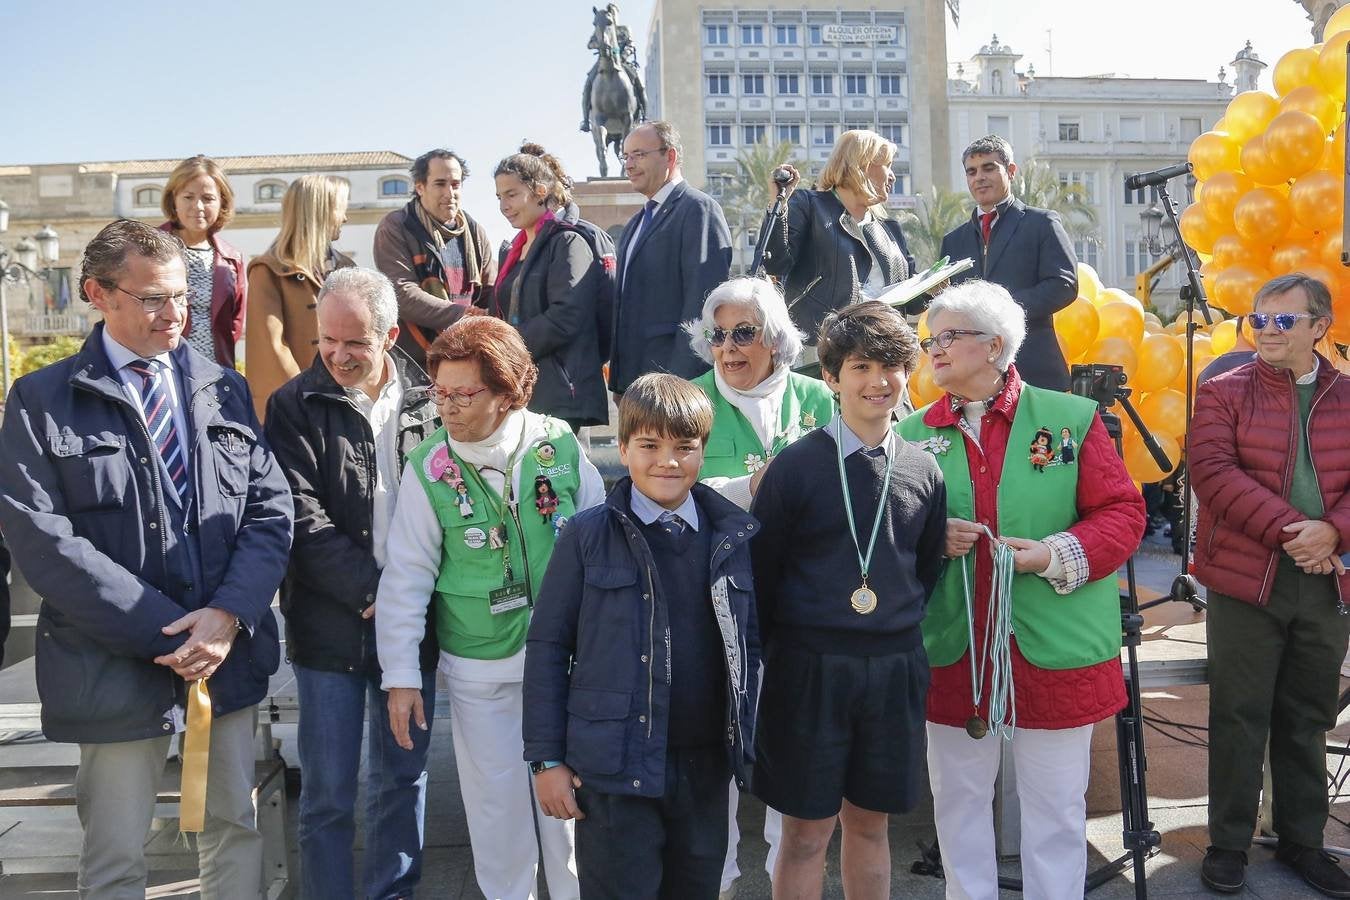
<point>159,422</point>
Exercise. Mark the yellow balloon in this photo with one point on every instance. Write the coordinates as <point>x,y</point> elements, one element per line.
<point>1317,200</point>
<point>1296,69</point>
<point>1339,21</point>
<point>1295,142</point>
<point>1116,295</point>
<point>921,327</point>
<point>1256,162</point>
<point>1121,320</point>
<point>1249,113</point>
<point>1311,99</point>
<point>1089,284</point>
<point>1197,229</point>
<point>1160,359</point>
<point>1331,65</point>
<point>1219,195</point>
<point>1077,325</point>
<point>1224,336</point>
<point>1140,463</point>
<point>1214,152</point>
<point>1114,351</point>
<point>923,390</point>
<point>1164,412</point>
<point>1262,216</point>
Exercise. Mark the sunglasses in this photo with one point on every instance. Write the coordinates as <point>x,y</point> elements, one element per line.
<point>1283,321</point>
<point>741,335</point>
<point>944,338</point>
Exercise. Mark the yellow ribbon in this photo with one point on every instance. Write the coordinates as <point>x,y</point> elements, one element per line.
<point>196,755</point>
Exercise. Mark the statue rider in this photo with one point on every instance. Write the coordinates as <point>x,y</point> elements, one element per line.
<point>627,58</point>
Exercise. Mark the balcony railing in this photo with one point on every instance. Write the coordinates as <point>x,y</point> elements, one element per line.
<point>47,324</point>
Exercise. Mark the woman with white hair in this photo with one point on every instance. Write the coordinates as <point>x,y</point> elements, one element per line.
<point>1023,630</point>
<point>759,404</point>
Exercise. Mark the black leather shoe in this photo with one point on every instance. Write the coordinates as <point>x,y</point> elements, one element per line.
<point>1318,867</point>
<point>1224,870</point>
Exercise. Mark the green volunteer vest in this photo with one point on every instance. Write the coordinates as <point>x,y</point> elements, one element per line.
<point>470,567</point>
<point>734,449</point>
<point>1053,631</point>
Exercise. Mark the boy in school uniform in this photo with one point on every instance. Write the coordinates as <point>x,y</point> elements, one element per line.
<point>853,526</point>
<point>642,662</point>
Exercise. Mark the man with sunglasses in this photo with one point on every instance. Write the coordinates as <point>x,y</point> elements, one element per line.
<point>670,257</point>
<point>144,507</point>
<point>1271,470</point>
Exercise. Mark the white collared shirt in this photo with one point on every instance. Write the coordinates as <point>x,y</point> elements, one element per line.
<point>120,357</point>
<point>660,197</point>
<point>851,443</point>
<point>649,511</point>
<point>382,414</point>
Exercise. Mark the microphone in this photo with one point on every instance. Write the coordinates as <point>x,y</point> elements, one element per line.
<point>781,176</point>
<point>1157,176</point>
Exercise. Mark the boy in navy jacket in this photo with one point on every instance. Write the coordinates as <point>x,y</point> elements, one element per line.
<point>642,660</point>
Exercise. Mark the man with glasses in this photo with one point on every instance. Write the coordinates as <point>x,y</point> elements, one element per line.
<point>1271,470</point>
<point>670,257</point>
<point>146,510</point>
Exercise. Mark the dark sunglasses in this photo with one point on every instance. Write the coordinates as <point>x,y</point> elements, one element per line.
<point>1283,321</point>
<point>741,335</point>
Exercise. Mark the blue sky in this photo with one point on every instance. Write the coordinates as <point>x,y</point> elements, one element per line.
<point>142,79</point>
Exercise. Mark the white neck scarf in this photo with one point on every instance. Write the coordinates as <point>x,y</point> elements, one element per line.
<point>495,450</point>
<point>762,405</point>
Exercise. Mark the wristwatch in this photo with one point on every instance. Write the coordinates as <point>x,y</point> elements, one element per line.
<point>537,767</point>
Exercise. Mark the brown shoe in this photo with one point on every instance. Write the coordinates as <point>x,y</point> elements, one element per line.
<point>1319,868</point>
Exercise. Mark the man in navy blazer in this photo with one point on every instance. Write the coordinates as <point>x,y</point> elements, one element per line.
<point>670,257</point>
<point>1023,248</point>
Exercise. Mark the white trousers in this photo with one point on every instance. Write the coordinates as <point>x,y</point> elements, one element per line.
<point>499,802</point>
<point>1052,777</point>
<point>773,834</point>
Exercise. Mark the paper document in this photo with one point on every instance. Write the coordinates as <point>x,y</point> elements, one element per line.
<point>904,291</point>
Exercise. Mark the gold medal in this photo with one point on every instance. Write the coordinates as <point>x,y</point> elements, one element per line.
<point>976,727</point>
<point>864,600</point>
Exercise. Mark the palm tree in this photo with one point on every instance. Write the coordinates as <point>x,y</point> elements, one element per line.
<point>1036,184</point>
<point>939,212</point>
<point>745,197</point>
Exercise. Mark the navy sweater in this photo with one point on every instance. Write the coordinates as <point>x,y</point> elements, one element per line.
<point>805,562</point>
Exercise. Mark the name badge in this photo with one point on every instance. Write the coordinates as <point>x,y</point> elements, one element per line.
<point>508,597</point>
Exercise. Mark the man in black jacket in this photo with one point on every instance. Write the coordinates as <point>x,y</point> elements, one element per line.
<point>341,430</point>
<point>1023,248</point>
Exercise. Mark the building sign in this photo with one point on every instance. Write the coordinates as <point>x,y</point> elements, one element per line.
<point>858,34</point>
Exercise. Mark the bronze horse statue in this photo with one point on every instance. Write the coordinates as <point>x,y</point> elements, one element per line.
<point>613,100</point>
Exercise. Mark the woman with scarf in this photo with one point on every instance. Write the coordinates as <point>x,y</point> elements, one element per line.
<point>468,542</point>
<point>549,285</point>
<point>837,244</point>
<point>759,407</point>
<point>1023,631</point>
<point>199,203</point>
<point>283,285</point>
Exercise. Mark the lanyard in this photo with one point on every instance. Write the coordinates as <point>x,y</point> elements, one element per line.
<point>507,496</point>
<point>863,561</point>
<point>997,648</point>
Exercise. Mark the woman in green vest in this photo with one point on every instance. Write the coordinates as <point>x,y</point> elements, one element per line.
<point>759,404</point>
<point>1023,630</point>
<point>481,503</point>
<point>759,407</point>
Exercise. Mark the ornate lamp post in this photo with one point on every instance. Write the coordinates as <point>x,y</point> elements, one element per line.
<point>44,248</point>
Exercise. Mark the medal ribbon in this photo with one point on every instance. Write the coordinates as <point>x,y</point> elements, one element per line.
<point>507,494</point>
<point>863,561</point>
<point>997,648</point>
<point>196,755</point>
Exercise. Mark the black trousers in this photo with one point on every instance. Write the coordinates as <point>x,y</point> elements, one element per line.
<point>670,847</point>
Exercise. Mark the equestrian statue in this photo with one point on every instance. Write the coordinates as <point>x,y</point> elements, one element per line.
<point>613,99</point>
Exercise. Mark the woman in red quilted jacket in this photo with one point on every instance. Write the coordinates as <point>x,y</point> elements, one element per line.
<point>1035,535</point>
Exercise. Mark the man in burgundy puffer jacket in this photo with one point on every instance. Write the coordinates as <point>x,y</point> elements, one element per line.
<point>1270,463</point>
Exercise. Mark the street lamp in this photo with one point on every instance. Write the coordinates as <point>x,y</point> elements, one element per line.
<point>1159,233</point>
<point>43,248</point>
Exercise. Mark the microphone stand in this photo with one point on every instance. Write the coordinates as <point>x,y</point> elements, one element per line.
<point>762,244</point>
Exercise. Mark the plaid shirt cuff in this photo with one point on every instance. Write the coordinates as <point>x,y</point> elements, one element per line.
<point>1068,569</point>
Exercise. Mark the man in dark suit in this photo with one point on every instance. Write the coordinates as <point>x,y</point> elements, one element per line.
<point>670,257</point>
<point>1023,248</point>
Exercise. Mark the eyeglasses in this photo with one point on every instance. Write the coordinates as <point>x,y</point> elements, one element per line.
<point>1283,321</point>
<point>638,154</point>
<point>741,335</point>
<point>155,302</point>
<point>944,338</point>
<point>460,399</point>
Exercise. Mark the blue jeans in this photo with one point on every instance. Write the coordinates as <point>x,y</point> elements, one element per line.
<point>332,712</point>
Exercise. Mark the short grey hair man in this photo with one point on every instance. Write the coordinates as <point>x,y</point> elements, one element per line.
<point>771,314</point>
<point>371,287</point>
<point>991,145</point>
<point>989,308</point>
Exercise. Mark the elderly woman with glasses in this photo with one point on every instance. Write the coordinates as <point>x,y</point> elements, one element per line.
<point>1023,631</point>
<point>759,404</point>
<point>480,506</point>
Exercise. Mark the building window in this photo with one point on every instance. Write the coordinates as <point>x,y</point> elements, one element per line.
<point>855,84</point>
<point>752,34</point>
<point>998,125</point>
<point>752,85</point>
<point>1086,251</point>
<point>396,186</point>
<point>822,135</point>
<point>822,84</point>
<point>719,135</point>
<point>716,34</point>
<point>719,84</point>
<point>789,84</point>
<point>269,191</point>
<point>1085,182</point>
<point>857,126</point>
<point>789,134</point>
<point>1140,197</point>
<point>1136,257</point>
<point>1190,128</point>
<point>901,186</point>
<point>813,34</point>
<point>1069,129</point>
<point>895,132</point>
<point>889,85</point>
<point>718,183</point>
<point>785,34</point>
<point>148,196</point>
<point>752,134</point>
<point>1131,128</point>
